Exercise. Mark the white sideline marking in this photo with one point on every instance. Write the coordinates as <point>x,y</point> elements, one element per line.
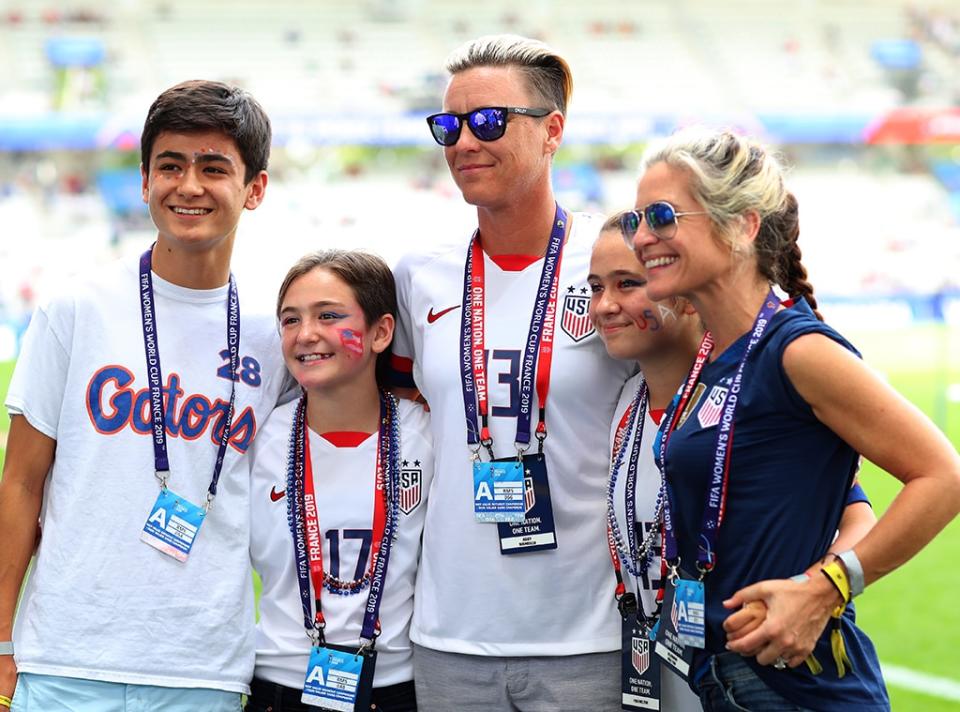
<point>908,679</point>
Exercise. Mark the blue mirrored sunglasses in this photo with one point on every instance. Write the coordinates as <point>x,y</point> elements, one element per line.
<point>661,220</point>
<point>487,123</point>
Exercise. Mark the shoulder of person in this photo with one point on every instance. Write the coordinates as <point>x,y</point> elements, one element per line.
<point>438,255</point>
<point>414,419</point>
<point>585,228</point>
<point>799,320</point>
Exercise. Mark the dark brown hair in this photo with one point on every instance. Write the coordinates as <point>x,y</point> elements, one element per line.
<point>200,105</point>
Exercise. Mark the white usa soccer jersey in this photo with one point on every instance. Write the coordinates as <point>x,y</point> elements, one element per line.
<point>131,614</point>
<point>675,694</point>
<point>471,598</point>
<point>344,481</point>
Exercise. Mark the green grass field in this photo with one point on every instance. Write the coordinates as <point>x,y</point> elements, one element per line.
<point>911,614</point>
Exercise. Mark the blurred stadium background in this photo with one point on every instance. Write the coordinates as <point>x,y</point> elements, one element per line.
<point>862,97</point>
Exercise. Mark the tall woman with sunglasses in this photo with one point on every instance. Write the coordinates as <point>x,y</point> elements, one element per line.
<point>760,446</point>
<point>513,608</point>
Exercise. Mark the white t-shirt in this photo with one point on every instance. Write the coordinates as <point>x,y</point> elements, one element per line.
<point>99,603</point>
<point>676,695</point>
<point>344,481</point>
<point>470,598</point>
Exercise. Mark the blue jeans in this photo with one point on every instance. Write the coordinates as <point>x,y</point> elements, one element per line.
<point>730,685</point>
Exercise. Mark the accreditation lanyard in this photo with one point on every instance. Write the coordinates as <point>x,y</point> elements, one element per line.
<point>636,558</point>
<point>537,351</point>
<point>305,526</point>
<point>715,507</point>
<point>151,347</point>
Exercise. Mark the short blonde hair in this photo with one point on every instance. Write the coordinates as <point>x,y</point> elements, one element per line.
<point>547,73</point>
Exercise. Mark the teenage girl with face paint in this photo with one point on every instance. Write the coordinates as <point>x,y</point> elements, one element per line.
<point>340,481</point>
<point>663,338</point>
<point>756,487</point>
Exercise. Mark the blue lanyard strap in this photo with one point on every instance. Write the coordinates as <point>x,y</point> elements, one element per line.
<point>388,444</point>
<point>635,556</point>
<point>715,507</point>
<point>548,277</point>
<point>151,349</point>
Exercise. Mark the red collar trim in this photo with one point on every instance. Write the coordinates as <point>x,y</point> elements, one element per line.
<point>656,414</point>
<point>514,263</point>
<point>345,438</point>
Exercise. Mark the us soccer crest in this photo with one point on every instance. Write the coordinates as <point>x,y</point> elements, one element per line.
<point>575,316</point>
<point>709,413</point>
<point>411,481</point>
<point>640,655</point>
<point>529,494</point>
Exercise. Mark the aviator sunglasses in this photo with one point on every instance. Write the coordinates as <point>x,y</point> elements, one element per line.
<point>487,123</point>
<point>661,220</point>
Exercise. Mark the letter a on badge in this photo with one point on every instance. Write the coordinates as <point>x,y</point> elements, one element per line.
<point>316,675</point>
<point>483,491</point>
<point>159,518</point>
<point>681,611</point>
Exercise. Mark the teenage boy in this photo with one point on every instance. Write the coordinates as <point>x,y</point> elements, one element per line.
<point>136,396</point>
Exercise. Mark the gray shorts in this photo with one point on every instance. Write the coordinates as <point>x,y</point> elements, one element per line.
<point>477,683</point>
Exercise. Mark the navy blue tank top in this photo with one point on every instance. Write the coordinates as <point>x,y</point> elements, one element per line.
<point>790,478</point>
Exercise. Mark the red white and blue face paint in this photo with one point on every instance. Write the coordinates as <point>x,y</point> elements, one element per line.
<point>352,341</point>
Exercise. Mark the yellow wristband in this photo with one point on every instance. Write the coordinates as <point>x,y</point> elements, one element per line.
<point>837,575</point>
<point>5,701</point>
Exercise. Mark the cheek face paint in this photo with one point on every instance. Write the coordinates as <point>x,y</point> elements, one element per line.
<point>352,341</point>
<point>666,312</point>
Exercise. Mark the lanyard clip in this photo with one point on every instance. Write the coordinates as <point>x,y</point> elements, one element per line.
<point>162,476</point>
<point>541,432</point>
<point>521,450</point>
<point>208,505</point>
<point>673,571</point>
<point>627,604</point>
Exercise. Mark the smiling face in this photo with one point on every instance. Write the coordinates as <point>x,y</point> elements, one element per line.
<point>631,325</point>
<point>325,337</point>
<point>196,192</point>
<point>496,174</point>
<point>694,258</point>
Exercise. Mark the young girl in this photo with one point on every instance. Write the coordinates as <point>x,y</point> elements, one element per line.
<point>663,338</point>
<point>745,515</point>
<point>340,482</point>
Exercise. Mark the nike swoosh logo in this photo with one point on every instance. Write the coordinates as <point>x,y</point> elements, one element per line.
<point>277,496</point>
<point>432,317</point>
